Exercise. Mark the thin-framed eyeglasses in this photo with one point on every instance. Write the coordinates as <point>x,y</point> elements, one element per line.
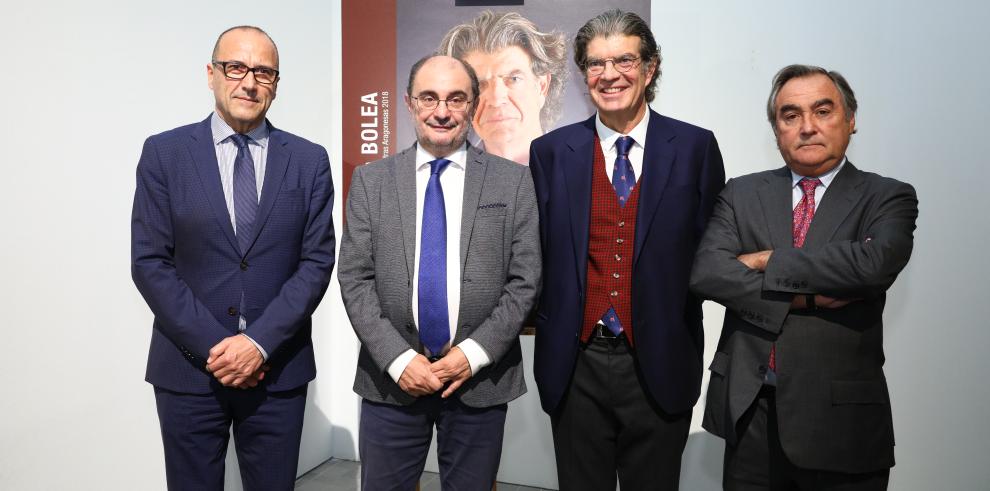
<point>236,70</point>
<point>456,103</point>
<point>621,64</point>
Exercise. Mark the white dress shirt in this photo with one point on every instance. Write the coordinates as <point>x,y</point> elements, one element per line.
<point>607,137</point>
<point>452,183</point>
<point>797,193</point>
<point>226,155</point>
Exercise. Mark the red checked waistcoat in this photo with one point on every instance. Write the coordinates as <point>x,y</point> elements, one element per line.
<point>610,251</point>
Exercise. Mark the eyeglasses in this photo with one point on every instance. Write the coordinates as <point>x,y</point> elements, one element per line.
<point>621,64</point>
<point>428,102</point>
<point>236,70</point>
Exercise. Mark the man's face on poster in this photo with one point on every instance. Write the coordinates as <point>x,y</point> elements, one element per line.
<point>512,97</point>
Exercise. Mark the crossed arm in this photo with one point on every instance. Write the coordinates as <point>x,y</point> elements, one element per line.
<point>762,286</point>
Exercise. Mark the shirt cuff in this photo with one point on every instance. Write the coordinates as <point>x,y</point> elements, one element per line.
<point>476,356</point>
<point>264,354</point>
<point>399,364</point>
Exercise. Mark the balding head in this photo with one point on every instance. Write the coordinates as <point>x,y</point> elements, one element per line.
<point>258,30</point>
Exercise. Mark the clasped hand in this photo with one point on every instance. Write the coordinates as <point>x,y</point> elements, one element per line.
<point>421,378</point>
<point>236,362</point>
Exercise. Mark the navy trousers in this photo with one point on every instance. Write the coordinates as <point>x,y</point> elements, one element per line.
<point>267,427</point>
<point>394,442</point>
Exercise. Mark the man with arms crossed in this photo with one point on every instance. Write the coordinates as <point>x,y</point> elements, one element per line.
<point>624,198</point>
<point>439,266</point>
<point>802,257</point>
<point>232,248</point>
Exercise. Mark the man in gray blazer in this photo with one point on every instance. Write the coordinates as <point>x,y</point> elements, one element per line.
<point>802,257</point>
<point>439,267</point>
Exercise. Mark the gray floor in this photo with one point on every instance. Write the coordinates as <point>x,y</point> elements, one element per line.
<point>342,475</point>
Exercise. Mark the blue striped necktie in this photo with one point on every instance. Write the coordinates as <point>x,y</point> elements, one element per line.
<point>245,192</point>
<point>623,177</point>
<point>434,322</point>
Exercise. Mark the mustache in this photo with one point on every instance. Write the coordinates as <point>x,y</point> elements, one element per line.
<point>447,124</point>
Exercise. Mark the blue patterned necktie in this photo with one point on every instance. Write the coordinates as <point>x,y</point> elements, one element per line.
<point>245,191</point>
<point>434,323</point>
<point>623,177</point>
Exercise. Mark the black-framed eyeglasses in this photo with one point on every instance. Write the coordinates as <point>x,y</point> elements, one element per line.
<point>428,102</point>
<point>622,64</point>
<point>236,70</point>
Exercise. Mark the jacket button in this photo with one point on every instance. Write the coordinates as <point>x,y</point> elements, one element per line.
<point>244,265</point>
<point>232,311</point>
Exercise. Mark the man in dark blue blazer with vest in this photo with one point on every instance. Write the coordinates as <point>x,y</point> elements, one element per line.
<point>232,248</point>
<point>624,198</point>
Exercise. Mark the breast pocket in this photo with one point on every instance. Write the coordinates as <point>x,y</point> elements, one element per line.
<point>287,220</point>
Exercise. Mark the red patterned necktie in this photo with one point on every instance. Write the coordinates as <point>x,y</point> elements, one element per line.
<point>803,213</point>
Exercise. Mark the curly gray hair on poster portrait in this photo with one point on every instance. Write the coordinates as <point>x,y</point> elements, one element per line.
<point>491,32</point>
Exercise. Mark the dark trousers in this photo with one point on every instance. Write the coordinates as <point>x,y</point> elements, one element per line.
<point>394,440</point>
<point>758,462</point>
<point>608,426</point>
<point>196,428</point>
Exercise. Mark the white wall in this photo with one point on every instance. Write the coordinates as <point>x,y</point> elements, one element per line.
<point>87,82</point>
<point>920,72</point>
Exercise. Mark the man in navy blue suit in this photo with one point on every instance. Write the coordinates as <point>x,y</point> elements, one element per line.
<point>232,247</point>
<point>623,199</point>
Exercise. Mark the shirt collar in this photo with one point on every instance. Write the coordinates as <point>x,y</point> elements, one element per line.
<point>222,131</point>
<point>825,178</point>
<point>457,159</point>
<point>608,135</point>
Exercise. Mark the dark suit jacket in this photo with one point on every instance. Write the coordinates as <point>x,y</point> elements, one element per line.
<point>682,174</point>
<point>832,403</point>
<point>500,272</point>
<point>187,264</point>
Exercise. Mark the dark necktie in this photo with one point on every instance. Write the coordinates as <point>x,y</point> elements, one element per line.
<point>434,322</point>
<point>623,177</point>
<point>245,191</point>
<point>803,213</point>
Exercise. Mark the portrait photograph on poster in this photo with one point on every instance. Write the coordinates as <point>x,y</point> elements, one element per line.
<point>522,53</point>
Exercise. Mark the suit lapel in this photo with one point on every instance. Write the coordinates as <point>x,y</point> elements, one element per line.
<point>775,199</point>
<point>404,175</point>
<point>837,202</point>
<point>577,170</point>
<point>658,159</point>
<point>474,177</point>
<point>204,156</point>
<point>275,166</point>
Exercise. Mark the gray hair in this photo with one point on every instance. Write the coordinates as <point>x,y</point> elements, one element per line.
<point>491,32</point>
<point>216,46</point>
<point>617,22</point>
<point>790,72</point>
